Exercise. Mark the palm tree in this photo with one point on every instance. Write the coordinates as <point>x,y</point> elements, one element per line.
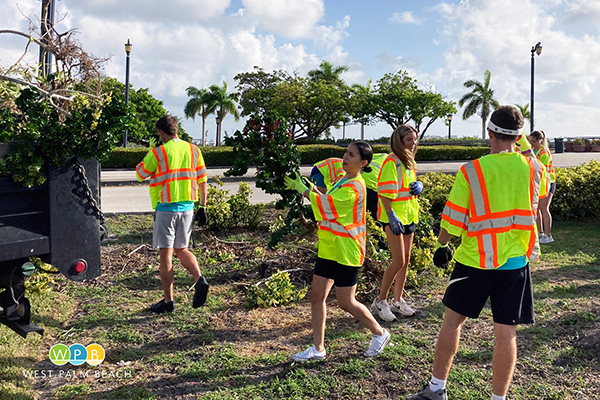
<point>223,104</point>
<point>524,111</point>
<point>198,104</point>
<point>480,97</point>
<point>327,72</point>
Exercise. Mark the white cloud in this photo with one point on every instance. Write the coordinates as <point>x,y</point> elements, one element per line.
<point>291,18</point>
<point>406,17</point>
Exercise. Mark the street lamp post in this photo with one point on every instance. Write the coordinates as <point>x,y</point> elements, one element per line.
<point>449,116</point>
<point>537,49</point>
<point>128,46</point>
<point>218,136</point>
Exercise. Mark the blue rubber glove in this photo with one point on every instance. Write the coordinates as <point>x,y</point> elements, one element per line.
<point>416,188</point>
<point>295,184</point>
<point>395,223</point>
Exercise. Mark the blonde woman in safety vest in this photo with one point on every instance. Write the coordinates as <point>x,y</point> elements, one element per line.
<point>492,207</point>
<point>340,213</point>
<point>176,170</point>
<point>398,211</point>
<point>542,152</point>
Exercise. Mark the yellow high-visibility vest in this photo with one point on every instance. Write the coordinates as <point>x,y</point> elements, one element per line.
<point>331,169</point>
<point>375,164</point>
<point>546,159</point>
<point>341,215</point>
<point>394,183</point>
<point>174,169</point>
<point>492,206</point>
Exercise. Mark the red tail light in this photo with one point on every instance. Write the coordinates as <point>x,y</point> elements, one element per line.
<point>79,266</point>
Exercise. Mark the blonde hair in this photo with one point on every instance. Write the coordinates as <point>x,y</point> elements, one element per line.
<point>406,156</point>
<point>541,136</point>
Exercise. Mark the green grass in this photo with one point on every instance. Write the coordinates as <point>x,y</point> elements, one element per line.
<point>216,352</point>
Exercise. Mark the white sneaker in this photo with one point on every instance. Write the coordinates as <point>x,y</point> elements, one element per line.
<point>378,344</point>
<point>382,308</point>
<point>546,239</point>
<point>309,354</point>
<point>400,307</point>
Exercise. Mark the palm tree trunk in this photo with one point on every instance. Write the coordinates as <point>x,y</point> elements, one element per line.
<point>203,131</point>
<point>483,128</point>
<point>362,131</point>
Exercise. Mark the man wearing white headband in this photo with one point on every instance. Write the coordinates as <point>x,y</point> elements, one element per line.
<point>492,207</point>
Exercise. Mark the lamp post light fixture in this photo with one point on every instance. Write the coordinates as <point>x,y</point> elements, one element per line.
<point>537,49</point>
<point>449,116</point>
<point>128,46</point>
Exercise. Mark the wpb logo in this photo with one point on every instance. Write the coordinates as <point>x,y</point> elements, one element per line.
<point>77,354</point>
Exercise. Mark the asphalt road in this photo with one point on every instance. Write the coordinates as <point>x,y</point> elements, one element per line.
<point>122,194</point>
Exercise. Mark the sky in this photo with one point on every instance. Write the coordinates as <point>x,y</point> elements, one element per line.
<point>179,43</point>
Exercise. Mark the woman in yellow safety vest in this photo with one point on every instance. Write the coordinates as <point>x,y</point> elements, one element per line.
<point>341,250</point>
<point>542,152</point>
<point>398,210</point>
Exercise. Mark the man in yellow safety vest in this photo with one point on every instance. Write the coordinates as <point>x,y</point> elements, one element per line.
<point>492,207</point>
<point>176,171</point>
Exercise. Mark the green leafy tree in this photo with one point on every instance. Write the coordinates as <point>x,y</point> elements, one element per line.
<point>265,142</point>
<point>311,105</point>
<point>361,107</point>
<point>144,110</point>
<point>221,103</point>
<point>198,104</point>
<point>398,100</point>
<point>481,97</point>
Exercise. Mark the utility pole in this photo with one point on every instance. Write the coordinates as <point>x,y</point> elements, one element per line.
<point>46,30</point>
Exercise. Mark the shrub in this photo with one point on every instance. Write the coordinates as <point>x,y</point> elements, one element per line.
<point>577,192</point>
<point>125,157</point>
<point>225,212</point>
<point>277,290</point>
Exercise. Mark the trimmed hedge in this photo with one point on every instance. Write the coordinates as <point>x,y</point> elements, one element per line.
<point>222,156</point>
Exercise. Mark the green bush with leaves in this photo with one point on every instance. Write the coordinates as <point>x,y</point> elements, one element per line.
<point>577,192</point>
<point>225,212</point>
<point>277,290</point>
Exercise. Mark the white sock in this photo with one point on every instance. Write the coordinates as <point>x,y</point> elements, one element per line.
<point>436,384</point>
<point>496,397</point>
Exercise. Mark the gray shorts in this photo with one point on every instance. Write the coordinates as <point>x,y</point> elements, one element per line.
<point>172,229</point>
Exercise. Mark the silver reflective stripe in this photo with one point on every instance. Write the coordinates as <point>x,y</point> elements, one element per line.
<point>195,156</point>
<point>201,172</point>
<point>173,175</point>
<point>162,163</point>
<point>537,181</point>
<point>535,253</point>
<point>456,215</point>
<point>323,199</point>
<point>141,172</point>
<point>494,223</point>
<point>403,193</point>
<point>361,200</point>
<point>336,227</point>
<point>488,248</point>
<point>387,187</point>
<point>475,188</point>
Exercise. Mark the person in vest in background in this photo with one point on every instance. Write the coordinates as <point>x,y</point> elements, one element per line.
<point>398,211</point>
<point>176,171</point>
<point>341,250</point>
<point>492,207</point>
<point>542,152</point>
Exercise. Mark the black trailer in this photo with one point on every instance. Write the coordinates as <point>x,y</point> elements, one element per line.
<point>58,222</point>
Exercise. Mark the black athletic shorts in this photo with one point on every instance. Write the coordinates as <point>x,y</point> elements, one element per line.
<point>552,187</point>
<point>408,229</point>
<point>342,275</point>
<point>510,293</point>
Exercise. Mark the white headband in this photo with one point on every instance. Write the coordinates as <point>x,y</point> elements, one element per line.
<point>495,128</point>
